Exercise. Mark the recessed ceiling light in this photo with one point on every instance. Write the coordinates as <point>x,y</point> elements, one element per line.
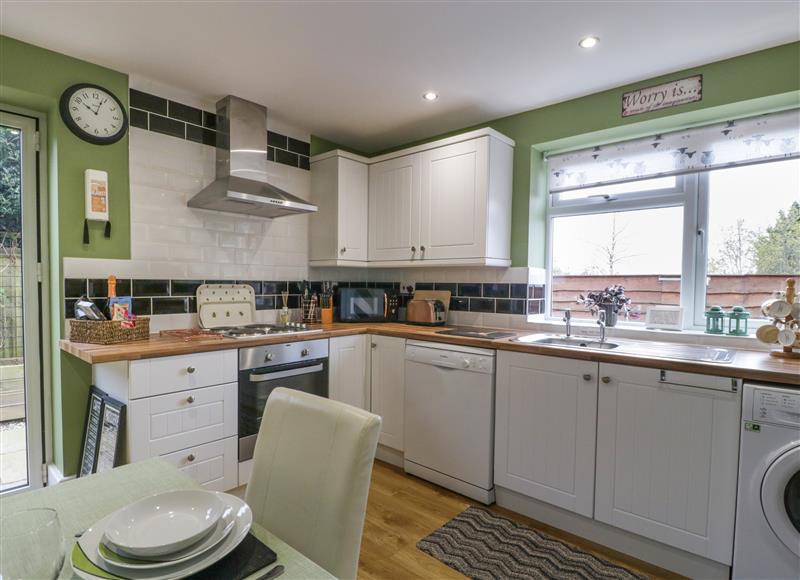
<point>588,42</point>
<point>430,96</point>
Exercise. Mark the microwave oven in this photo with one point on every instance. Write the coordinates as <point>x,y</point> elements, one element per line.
<point>361,304</point>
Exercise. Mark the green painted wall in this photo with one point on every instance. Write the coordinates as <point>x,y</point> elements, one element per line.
<point>34,78</point>
<point>758,82</point>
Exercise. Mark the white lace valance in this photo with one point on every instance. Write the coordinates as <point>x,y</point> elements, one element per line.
<point>741,142</point>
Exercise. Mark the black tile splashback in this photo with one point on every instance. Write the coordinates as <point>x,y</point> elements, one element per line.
<point>154,113</point>
<point>157,296</point>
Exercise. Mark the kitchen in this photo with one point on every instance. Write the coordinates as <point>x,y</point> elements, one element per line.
<point>529,312</point>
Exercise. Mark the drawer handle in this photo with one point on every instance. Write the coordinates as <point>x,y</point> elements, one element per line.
<point>190,399</point>
<point>190,370</point>
<point>190,458</point>
<point>606,380</point>
<point>587,377</point>
<point>374,345</point>
<point>413,248</point>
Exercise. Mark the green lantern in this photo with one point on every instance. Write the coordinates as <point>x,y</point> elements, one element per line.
<point>737,321</point>
<point>715,320</point>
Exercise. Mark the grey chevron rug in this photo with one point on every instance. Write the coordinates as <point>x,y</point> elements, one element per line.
<point>485,546</point>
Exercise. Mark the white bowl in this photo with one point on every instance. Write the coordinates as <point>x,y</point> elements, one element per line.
<point>164,523</point>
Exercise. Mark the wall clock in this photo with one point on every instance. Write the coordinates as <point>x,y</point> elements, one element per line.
<point>93,113</point>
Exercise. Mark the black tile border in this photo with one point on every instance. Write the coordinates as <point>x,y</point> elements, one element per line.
<point>160,115</point>
<point>163,296</point>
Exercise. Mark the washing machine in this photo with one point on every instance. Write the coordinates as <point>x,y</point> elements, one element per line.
<point>767,540</point>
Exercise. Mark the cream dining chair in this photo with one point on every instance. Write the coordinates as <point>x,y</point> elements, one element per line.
<point>311,472</point>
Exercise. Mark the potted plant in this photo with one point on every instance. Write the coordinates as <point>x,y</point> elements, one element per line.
<point>612,301</point>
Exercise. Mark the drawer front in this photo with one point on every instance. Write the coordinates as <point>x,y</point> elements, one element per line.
<point>159,425</point>
<point>213,465</point>
<point>170,374</point>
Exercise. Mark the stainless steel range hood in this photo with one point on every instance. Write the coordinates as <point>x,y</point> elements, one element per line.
<point>242,184</point>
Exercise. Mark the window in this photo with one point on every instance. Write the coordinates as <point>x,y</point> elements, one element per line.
<point>727,236</point>
<point>753,228</point>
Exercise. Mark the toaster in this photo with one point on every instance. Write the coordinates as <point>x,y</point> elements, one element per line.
<point>426,312</point>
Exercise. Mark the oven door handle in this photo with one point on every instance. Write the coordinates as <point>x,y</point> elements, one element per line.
<point>284,374</point>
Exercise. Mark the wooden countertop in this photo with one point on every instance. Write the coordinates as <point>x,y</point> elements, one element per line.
<point>747,364</point>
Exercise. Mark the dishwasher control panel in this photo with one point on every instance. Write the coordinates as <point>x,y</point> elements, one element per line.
<point>444,356</point>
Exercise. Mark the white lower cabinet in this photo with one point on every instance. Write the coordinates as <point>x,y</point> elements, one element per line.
<point>667,457</point>
<point>159,425</point>
<point>348,370</point>
<point>213,465</point>
<point>388,387</point>
<point>545,418</point>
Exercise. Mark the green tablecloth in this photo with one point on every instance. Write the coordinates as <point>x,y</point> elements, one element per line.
<point>82,502</point>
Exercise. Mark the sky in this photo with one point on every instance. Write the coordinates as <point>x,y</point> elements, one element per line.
<point>649,241</point>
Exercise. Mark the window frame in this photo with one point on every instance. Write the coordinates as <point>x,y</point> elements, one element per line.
<point>692,193</point>
<point>685,194</point>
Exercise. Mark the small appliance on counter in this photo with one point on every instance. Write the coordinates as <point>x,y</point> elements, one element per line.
<point>428,308</point>
<point>361,305</point>
<point>426,312</point>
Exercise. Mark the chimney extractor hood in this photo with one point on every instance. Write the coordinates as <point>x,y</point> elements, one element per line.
<point>242,184</point>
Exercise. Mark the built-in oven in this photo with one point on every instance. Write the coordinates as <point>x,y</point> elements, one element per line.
<point>294,365</point>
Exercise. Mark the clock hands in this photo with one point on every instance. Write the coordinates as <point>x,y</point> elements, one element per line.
<point>97,110</point>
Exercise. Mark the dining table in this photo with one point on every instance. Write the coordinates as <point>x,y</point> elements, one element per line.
<point>82,502</point>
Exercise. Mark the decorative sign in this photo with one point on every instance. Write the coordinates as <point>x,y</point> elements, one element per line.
<point>103,436</point>
<point>109,445</point>
<point>89,456</point>
<point>663,96</point>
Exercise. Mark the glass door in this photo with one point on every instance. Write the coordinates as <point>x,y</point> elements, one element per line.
<point>21,456</point>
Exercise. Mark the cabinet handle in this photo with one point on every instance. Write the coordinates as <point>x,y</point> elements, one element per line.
<point>343,250</point>
<point>422,248</point>
<point>190,458</point>
<point>413,248</point>
<point>190,399</point>
<point>587,377</point>
<point>606,380</point>
<point>190,370</point>
<point>304,352</point>
<point>374,345</point>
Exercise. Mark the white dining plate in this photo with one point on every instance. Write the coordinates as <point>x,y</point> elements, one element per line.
<point>91,538</point>
<point>163,523</point>
<point>118,558</point>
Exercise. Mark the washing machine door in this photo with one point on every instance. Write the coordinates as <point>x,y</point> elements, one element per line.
<point>780,498</point>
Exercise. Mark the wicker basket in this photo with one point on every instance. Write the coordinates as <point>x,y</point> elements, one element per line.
<point>108,331</point>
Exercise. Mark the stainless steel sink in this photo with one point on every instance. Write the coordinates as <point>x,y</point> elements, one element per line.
<point>655,350</point>
<point>565,341</point>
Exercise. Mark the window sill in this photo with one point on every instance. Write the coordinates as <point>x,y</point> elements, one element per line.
<point>639,332</point>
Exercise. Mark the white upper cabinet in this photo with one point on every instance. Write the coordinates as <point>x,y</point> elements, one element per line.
<point>545,418</point>
<point>338,232</point>
<point>349,377</point>
<point>394,187</point>
<point>389,387</point>
<point>439,204</point>
<point>667,457</point>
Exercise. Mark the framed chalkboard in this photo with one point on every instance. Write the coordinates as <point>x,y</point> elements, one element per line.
<point>102,437</point>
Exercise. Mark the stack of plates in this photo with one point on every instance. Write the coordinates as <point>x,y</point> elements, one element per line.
<point>166,536</point>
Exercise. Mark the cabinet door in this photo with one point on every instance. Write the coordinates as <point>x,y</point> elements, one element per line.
<point>213,465</point>
<point>353,212</point>
<point>545,419</point>
<point>394,209</point>
<point>388,387</point>
<point>167,423</point>
<point>667,459</point>
<point>348,370</point>
<point>453,197</point>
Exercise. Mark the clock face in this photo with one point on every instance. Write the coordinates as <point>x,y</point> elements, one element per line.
<point>93,114</point>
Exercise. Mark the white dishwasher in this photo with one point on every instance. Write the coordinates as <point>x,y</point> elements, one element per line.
<point>449,417</point>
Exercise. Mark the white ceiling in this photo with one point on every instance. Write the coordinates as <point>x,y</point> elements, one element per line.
<point>354,72</point>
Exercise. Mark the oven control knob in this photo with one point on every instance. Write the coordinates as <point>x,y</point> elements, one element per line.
<point>268,357</point>
<point>467,363</point>
<point>304,352</point>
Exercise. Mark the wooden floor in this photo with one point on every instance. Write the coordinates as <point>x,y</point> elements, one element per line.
<point>403,509</point>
